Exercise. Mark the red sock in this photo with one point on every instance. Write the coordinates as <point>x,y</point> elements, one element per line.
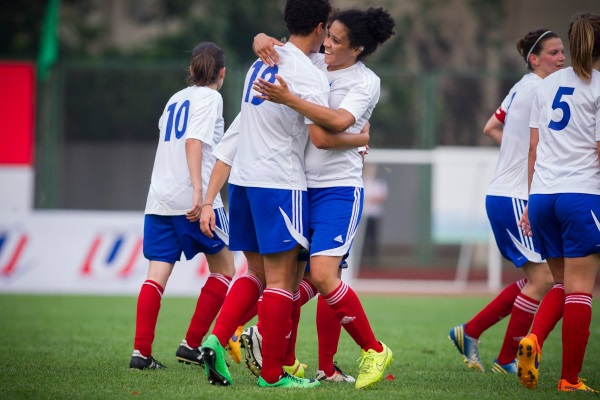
<point>242,296</point>
<point>259,305</point>
<point>148,306</point>
<point>549,313</point>
<point>307,291</point>
<point>350,313</point>
<point>208,305</point>
<point>328,332</point>
<point>575,333</point>
<point>253,312</point>
<point>521,318</point>
<point>497,309</point>
<point>290,355</point>
<point>274,314</point>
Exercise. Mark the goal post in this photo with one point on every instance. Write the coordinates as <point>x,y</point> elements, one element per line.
<point>433,230</point>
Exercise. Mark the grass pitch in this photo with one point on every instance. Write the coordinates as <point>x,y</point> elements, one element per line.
<point>78,347</point>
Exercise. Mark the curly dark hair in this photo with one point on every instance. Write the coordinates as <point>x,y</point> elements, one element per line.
<point>303,16</point>
<point>368,29</point>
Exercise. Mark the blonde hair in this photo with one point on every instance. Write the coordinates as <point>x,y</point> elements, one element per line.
<point>584,43</point>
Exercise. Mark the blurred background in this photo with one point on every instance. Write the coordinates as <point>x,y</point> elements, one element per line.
<point>104,70</point>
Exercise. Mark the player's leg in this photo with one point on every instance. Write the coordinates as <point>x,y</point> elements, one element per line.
<point>162,249</point>
<point>539,281</point>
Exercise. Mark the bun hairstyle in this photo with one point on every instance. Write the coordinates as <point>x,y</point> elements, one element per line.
<point>532,43</point>
<point>207,61</point>
<point>366,29</point>
<point>584,43</point>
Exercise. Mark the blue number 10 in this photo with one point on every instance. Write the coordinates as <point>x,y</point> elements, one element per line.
<point>564,106</point>
<point>171,110</point>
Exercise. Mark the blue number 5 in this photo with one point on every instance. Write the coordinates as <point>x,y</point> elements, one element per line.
<point>271,71</point>
<point>564,106</point>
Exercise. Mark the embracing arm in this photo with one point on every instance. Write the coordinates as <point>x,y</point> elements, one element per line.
<point>533,142</point>
<point>264,47</point>
<point>334,120</point>
<point>325,140</point>
<point>193,154</point>
<point>218,177</point>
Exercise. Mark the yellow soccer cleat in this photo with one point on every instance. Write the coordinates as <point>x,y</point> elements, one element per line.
<point>233,346</point>
<point>372,366</point>
<point>296,370</point>
<point>564,386</point>
<point>528,361</point>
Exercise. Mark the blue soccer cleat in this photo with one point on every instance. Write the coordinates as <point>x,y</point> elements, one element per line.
<point>467,346</point>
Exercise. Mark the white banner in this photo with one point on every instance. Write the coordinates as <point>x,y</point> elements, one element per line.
<point>86,252</point>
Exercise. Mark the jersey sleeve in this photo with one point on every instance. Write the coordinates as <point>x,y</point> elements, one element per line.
<point>204,114</point>
<point>534,119</point>
<point>359,99</point>
<point>227,147</point>
<point>318,93</point>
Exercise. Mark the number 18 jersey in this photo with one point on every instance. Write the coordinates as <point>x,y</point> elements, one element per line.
<point>566,112</point>
<point>193,113</point>
<point>273,137</point>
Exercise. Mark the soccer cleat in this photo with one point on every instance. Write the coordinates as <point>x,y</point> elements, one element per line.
<point>528,361</point>
<point>289,381</point>
<point>252,343</point>
<point>189,355</point>
<point>338,376</point>
<point>215,366</point>
<point>510,368</point>
<point>296,370</point>
<point>138,361</point>
<point>372,365</point>
<point>233,346</point>
<point>564,386</point>
<point>467,346</point>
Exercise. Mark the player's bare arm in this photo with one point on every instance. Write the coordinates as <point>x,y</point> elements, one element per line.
<point>334,120</point>
<point>493,128</point>
<point>325,140</point>
<point>193,153</point>
<point>264,47</point>
<point>217,180</point>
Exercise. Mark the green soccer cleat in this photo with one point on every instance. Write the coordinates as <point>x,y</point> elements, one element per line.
<point>290,381</point>
<point>372,366</point>
<point>215,366</point>
<point>467,346</point>
<point>528,361</point>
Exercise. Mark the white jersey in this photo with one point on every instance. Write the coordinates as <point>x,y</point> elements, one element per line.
<point>272,136</point>
<point>192,113</point>
<point>510,178</point>
<point>355,89</point>
<point>566,111</point>
<point>227,148</point>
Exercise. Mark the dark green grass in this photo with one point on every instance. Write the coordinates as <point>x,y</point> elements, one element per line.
<point>65,347</point>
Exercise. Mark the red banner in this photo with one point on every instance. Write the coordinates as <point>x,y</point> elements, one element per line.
<point>17,113</point>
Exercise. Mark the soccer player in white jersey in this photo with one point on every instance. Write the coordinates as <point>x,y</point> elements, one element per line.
<point>507,194</point>
<point>191,124</point>
<point>334,178</point>
<point>267,189</point>
<point>564,198</point>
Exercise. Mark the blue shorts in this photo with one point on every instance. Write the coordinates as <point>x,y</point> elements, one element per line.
<point>333,219</point>
<point>166,237</point>
<point>566,224</point>
<point>267,221</point>
<point>504,214</point>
